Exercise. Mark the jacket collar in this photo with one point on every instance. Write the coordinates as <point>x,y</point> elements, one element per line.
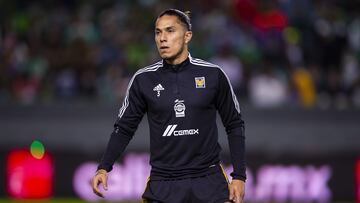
<point>177,66</point>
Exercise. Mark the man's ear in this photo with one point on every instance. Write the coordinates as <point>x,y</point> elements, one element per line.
<point>188,36</point>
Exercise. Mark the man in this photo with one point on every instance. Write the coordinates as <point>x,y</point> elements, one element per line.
<point>180,95</point>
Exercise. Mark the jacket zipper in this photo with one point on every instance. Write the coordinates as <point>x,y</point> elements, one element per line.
<point>176,85</point>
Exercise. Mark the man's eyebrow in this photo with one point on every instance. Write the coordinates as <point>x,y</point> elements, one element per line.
<point>170,28</point>
<point>166,28</point>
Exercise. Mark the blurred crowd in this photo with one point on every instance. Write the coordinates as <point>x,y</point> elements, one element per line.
<point>302,53</point>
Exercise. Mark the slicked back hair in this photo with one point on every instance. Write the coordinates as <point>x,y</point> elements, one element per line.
<point>184,17</point>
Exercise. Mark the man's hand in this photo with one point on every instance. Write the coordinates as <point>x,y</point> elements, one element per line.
<point>99,177</point>
<point>237,191</point>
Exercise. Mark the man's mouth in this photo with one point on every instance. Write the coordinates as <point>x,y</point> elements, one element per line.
<point>164,47</point>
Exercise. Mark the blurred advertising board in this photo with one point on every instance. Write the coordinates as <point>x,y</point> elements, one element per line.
<point>270,182</point>
<point>270,179</point>
<point>29,177</point>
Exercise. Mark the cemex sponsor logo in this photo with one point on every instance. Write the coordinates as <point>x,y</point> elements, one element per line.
<point>170,130</point>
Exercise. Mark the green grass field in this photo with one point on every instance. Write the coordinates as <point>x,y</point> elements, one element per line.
<point>80,201</point>
<point>53,201</point>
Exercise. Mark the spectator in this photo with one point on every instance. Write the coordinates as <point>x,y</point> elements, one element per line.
<point>42,46</point>
<point>231,65</point>
<point>304,86</point>
<point>266,90</point>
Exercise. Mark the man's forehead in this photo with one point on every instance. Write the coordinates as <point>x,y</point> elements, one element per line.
<point>167,21</point>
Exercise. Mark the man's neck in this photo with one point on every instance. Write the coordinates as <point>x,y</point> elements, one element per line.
<point>181,58</point>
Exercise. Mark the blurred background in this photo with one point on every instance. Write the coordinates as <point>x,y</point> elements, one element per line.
<point>294,65</point>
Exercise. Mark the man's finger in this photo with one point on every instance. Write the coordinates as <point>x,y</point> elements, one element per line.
<point>96,182</point>
<point>238,199</point>
<point>104,181</point>
<point>235,197</point>
<point>231,193</point>
<point>231,196</point>
<point>98,193</point>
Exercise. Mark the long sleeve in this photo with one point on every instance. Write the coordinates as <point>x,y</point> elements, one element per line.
<point>229,110</point>
<point>130,115</point>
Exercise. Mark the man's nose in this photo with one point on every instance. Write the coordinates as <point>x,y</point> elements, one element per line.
<point>163,37</point>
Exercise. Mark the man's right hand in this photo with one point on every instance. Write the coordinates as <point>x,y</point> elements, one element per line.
<point>100,177</point>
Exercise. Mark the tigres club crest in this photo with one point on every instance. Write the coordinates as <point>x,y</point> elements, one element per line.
<point>200,82</point>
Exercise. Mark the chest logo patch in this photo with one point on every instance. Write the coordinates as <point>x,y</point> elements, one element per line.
<point>157,89</point>
<point>170,131</point>
<point>179,108</point>
<point>200,82</point>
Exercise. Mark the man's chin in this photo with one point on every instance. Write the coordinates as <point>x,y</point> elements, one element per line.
<point>166,56</point>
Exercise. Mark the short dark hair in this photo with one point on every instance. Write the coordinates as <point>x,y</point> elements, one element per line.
<point>184,17</point>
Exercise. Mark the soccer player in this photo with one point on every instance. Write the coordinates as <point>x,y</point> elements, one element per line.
<point>181,96</point>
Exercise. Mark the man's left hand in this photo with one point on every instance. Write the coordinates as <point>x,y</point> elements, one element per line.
<point>237,191</point>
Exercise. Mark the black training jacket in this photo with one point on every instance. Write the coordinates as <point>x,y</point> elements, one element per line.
<point>181,102</point>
